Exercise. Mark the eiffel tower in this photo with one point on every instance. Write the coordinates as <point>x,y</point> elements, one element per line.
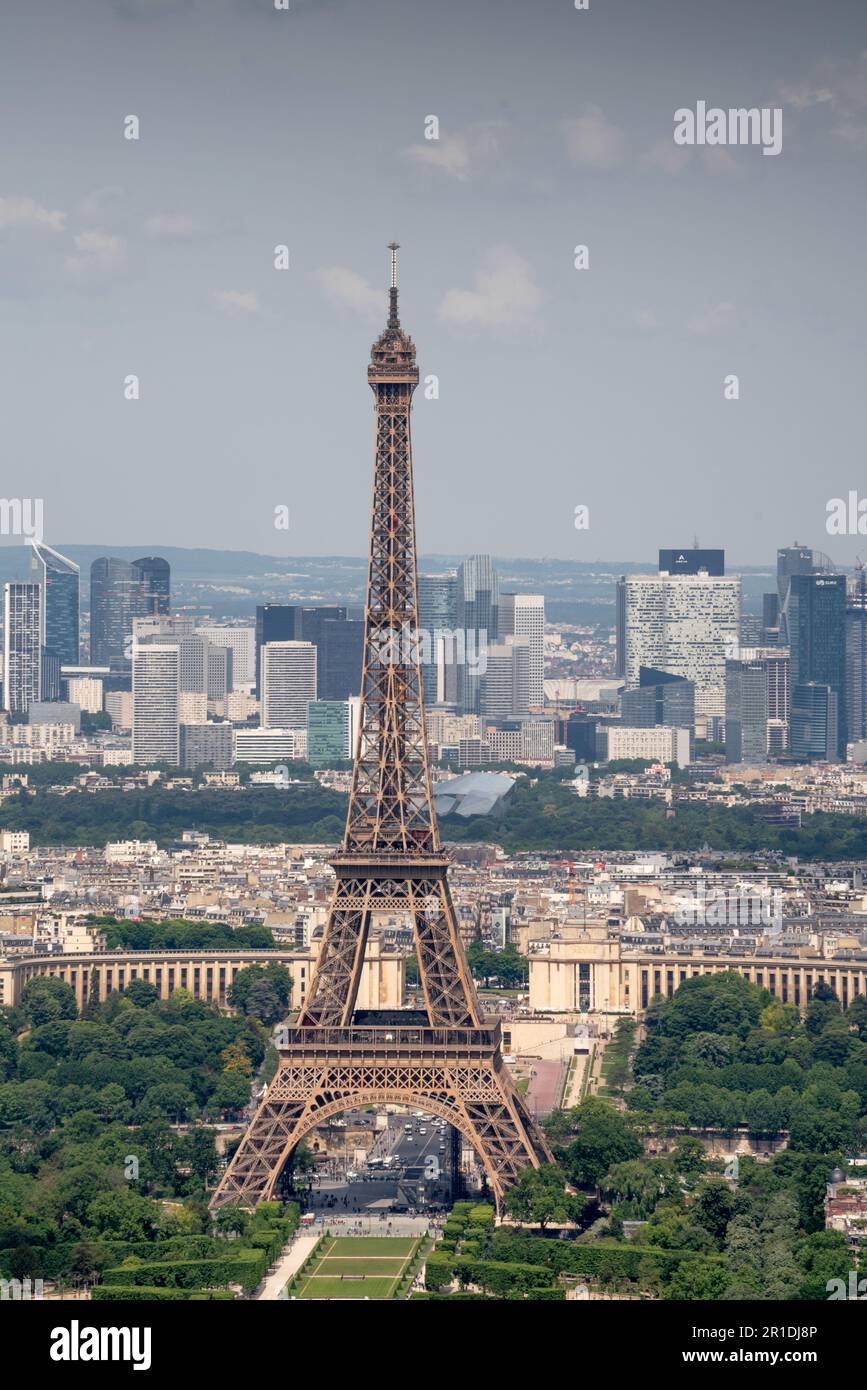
<point>444,1059</point>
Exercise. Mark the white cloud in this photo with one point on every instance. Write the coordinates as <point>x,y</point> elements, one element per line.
<point>668,156</point>
<point>451,154</point>
<point>803,95</point>
<point>505,292</point>
<point>238,301</point>
<point>170,227</point>
<point>714,319</point>
<point>347,289</point>
<point>26,212</point>
<point>593,142</point>
<point>460,154</point>
<point>98,255</point>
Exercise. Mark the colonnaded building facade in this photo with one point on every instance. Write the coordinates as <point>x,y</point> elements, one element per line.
<point>592,971</point>
<point>208,975</point>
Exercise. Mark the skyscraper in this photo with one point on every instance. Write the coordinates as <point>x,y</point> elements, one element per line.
<point>856,660</point>
<point>523,615</point>
<point>816,619</point>
<point>155,580</point>
<point>59,579</point>
<point>791,559</point>
<point>746,712</point>
<point>478,604</point>
<point>437,619</point>
<point>22,648</point>
<point>813,728</point>
<point>155,701</point>
<point>339,646</point>
<point>688,625</point>
<point>275,622</point>
<point>505,686</point>
<point>120,592</point>
<point>288,683</point>
<point>241,641</point>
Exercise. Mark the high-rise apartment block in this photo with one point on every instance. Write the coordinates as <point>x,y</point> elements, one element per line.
<point>22,646</point>
<point>686,625</point>
<point>155,698</point>
<point>288,683</point>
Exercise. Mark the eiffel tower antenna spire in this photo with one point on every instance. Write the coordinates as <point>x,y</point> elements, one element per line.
<point>393,320</point>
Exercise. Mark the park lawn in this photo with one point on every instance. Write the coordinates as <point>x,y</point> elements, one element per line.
<point>371,1267</point>
<point>370,1245</point>
<point>323,1287</point>
<point>361,1264</point>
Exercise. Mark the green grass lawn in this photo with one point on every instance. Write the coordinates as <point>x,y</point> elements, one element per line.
<point>357,1267</point>
<point>369,1245</point>
<point>347,1288</point>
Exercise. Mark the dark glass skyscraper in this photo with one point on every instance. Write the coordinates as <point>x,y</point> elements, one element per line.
<point>856,661</point>
<point>155,575</point>
<point>119,592</point>
<point>816,620</point>
<point>340,648</point>
<point>59,580</point>
<point>338,641</point>
<point>437,612</point>
<point>478,605</point>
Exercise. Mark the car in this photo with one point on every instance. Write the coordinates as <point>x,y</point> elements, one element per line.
<point>351,1175</point>
<point>422,1130</point>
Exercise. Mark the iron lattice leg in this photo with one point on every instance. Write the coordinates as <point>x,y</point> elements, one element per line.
<point>480,1101</point>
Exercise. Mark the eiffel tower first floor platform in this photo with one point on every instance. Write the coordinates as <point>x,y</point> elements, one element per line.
<point>455,1073</point>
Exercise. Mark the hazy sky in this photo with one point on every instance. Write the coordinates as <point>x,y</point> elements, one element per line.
<point>558,387</point>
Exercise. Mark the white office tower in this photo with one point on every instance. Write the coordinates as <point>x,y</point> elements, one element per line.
<point>288,683</point>
<point>192,649</point>
<point>155,700</point>
<point>523,615</point>
<point>686,624</point>
<point>22,648</point>
<point>241,642</point>
<point>505,685</point>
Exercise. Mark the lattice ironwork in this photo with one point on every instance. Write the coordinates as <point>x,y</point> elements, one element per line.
<point>391,861</point>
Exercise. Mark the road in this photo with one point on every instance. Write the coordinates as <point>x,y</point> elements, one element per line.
<point>416,1180</point>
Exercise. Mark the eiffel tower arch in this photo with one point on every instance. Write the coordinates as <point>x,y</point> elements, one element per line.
<point>443,1058</point>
